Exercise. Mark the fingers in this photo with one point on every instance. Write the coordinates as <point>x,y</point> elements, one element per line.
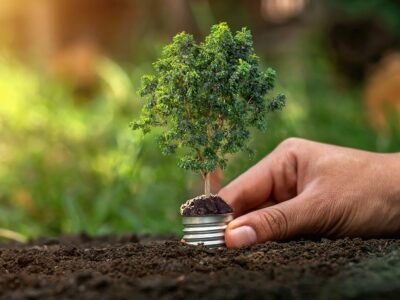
<point>278,222</point>
<point>250,189</point>
<point>272,179</point>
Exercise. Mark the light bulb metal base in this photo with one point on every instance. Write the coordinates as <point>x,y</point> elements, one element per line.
<point>206,230</point>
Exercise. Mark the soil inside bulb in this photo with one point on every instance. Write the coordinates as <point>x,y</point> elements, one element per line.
<point>202,206</point>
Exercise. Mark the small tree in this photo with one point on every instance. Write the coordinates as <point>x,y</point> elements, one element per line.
<point>206,96</point>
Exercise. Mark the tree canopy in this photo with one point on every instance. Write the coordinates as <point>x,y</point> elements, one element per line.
<point>207,96</point>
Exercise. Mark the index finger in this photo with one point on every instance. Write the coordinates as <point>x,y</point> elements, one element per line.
<point>271,180</point>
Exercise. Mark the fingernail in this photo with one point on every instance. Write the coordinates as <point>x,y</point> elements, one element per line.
<point>242,236</point>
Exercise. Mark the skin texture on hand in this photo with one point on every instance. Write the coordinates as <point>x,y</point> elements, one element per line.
<point>306,188</point>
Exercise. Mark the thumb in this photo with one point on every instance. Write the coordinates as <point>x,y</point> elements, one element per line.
<point>277,222</point>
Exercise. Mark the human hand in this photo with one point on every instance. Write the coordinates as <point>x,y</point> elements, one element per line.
<point>307,188</point>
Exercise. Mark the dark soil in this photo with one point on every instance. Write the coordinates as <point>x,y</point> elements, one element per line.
<point>149,268</point>
<point>202,205</point>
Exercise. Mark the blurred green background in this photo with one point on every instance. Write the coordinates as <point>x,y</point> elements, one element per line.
<point>69,74</point>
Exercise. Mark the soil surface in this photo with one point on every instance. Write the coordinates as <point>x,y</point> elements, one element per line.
<point>129,267</point>
<point>202,205</point>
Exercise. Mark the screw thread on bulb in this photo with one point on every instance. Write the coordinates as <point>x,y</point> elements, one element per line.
<point>207,230</point>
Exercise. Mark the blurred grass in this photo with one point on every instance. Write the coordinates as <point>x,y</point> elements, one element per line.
<point>70,163</point>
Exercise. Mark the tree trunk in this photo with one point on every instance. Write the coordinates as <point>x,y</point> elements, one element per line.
<point>207,188</point>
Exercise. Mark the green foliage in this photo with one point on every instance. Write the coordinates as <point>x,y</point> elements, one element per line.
<point>69,164</point>
<point>207,96</point>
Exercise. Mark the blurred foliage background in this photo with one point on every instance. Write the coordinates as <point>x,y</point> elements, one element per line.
<point>70,69</point>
